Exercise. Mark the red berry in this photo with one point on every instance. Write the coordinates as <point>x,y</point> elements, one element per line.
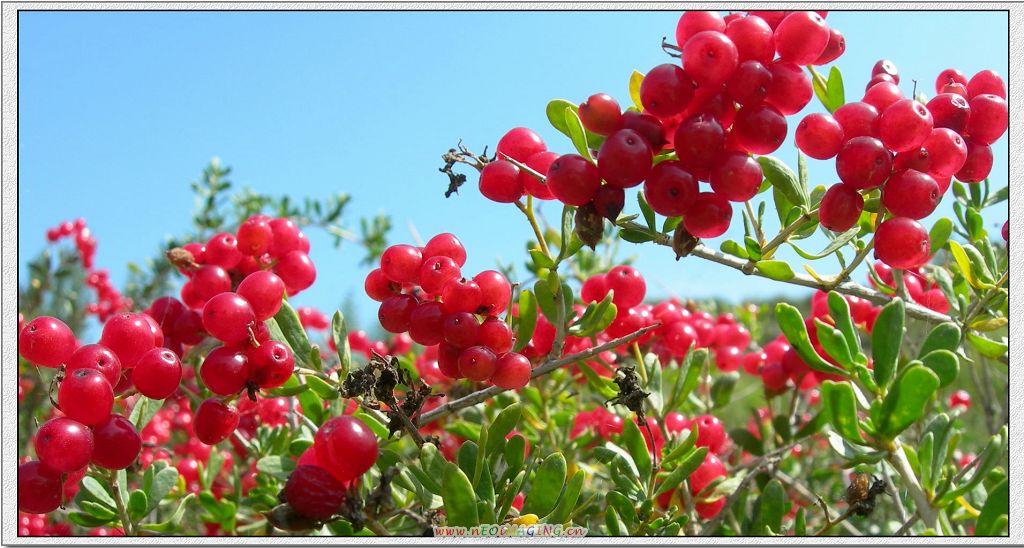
<point>477,363</point>
<point>448,360</point>
<point>624,159</point>
<point>835,48</point>
<point>791,88</point>
<point>946,151</point>
<point>709,216</point>
<point>989,119</point>
<point>85,395</point>
<point>801,37</point>
<point>710,433</point>
<point>678,338</point>
<point>519,144</point>
<point>157,374</point>
<point>461,295</point>
<point>255,237</point>
<point>222,250</point>
<point>709,470</point>
<point>395,312</point>
<point>540,163</point>
<point>225,370</point>
<point>749,83</point>
<point>401,263</point>
<point>911,194</point>
<point>609,201</point>
<point>710,57</point>
<point>46,341</point>
<point>98,357</point>
<point>165,310</point>
<point>1006,230</point>
<point>63,445</point>
<point>573,179</point>
<point>600,114</point>
<point>313,492</point>
<point>760,129</point>
<point>949,110</point>
<point>495,292</point>
<point>117,443</point>
<point>446,245</point>
<point>857,119</point>
<point>960,398</point>
<point>666,90</point>
<point>512,371</point>
<point>460,329</point>
<point>905,125</point>
<point>346,447</point>
<point>699,142</point>
<point>949,76</point>
<point>902,243</point>
<point>188,329</point>
<point>737,177</point>
<point>840,208</point>
<point>670,188</point>
<point>649,127</point>
<point>753,38</point>
<point>287,237</point>
<point>819,136</point>
<point>214,421</point>
<point>693,22</point>
<point>496,335</point>
<point>499,182</point>
<point>39,488</point>
<point>986,82</point>
<point>628,284</point>
<point>296,270</point>
<point>228,317</point>
<point>885,66</point>
<point>864,163</point>
<point>271,364</point>
<point>978,164</point>
<point>378,287</point>
<point>883,95</point>
<point>209,281</point>
<point>264,291</point>
<point>425,322</point>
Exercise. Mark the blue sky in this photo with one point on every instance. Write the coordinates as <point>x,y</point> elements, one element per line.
<point>119,111</point>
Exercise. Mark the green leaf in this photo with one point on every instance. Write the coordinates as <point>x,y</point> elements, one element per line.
<point>321,388</point>
<point>996,505</point>
<point>722,388</point>
<point>163,482</point>
<point>635,80</point>
<point>287,321</point>
<point>687,467</point>
<point>907,401</point>
<point>95,491</point>
<point>278,466</point>
<point>144,411</point>
<point>540,260</point>
<point>138,505</point>
<point>288,391</point>
<point>339,333</point>
<point>945,336</point>
<point>773,508</point>
<point>841,405</point>
<point>791,322</point>
<point>647,212</point>
<point>515,452</point>
<point>987,347</point>
<point>458,497</point>
<point>596,317</point>
<point>637,447</point>
<point>174,521</point>
<point>503,424</point>
<point>577,133</point>
<point>783,179</point>
<point>747,441</point>
<point>734,249</point>
<point>97,510</point>
<point>964,262</point>
<point>836,92</point>
<point>635,236</point>
<point>944,364</point>
<point>546,301</point>
<point>776,270</point>
<point>527,321</point>
<point>832,247</point>
<point>567,504</point>
<point>834,343</point>
<point>853,455</point>
<point>887,337</point>
<point>622,506</point>
<point>87,520</point>
<point>939,234</point>
<point>546,486</point>
<point>556,115</point>
<point>839,309</point>
<point>684,446</point>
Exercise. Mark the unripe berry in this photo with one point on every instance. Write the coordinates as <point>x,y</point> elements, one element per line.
<point>477,363</point>
<point>85,396</point>
<point>801,37</point>
<point>624,159</point>
<point>911,194</point>
<point>117,443</point>
<point>214,421</point>
<point>670,188</point>
<point>710,57</point>
<point>791,88</point>
<point>819,136</point>
<point>157,374</point>
<point>499,182</point>
<point>313,492</point>
<point>46,341</point>
<point>345,447</point>
<point>63,445</point>
<point>864,163</point>
<point>512,371</point>
<point>904,125</point>
<point>519,144</point>
<point>264,292</point>
<point>902,243</point>
<point>228,318</point>
<point>753,38</point>
<point>600,114</point>
<point>666,90</point>
<point>709,216</point>
<point>225,370</point>
<point>840,208</point>
<point>737,177</point>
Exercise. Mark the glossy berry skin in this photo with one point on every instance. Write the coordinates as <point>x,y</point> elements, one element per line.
<point>840,208</point>
<point>286,237</point>
<point>887,67</point>
<point>753,38</point>
<point>271,364</point>
<point>448,360</point>
<point>46,342</point>
<point>460,329</point>
<point>495,292</point>
<point>214,421</point>
<point>228,317</point>
<point>296,270</point>
<point>346,447</point>
<point>313,492</point>
<point>540,163</point>
<point>1006,231</point>
<point>64,445</point>
<point>670,188</point>
<point>801,37</point>
<point>519,144</point>
<point>649,127</point>
<point>947,152</point>
<point>819,136</point>
<point>949,76</point>
<point>989,119</point>
<point>210,280</point>
<point>264,291</point>
<point>710,433</point>
<point>499,182</point>
<point>39,488</point>
<point>85,396</point>
<point>512,371</point>
<point>600,114</point>
<point>254,237</point>
<point>835,48</point>
<point>425,323</point>
<point>978,164</point>
<point>624,159</point>
<point>883,95</point>
<point>188,328</point>
<point>904,125</point>
<point>710,470</point>
<point>678,338</point>
<point>699,142</point>
<point>628,284</point>
<point>394,313</point>
<point>911,194</point>
<point>117,443</point>
<point>98,357</point>
<point>692,22</point>
<point>477,363</point>
<point>950,110</point>
<point>666,90</point>
<point>709,216</point>
<point>436,272</point>
<point>986,82</point>
<point>760,129</point>
<point>749,83</point>
<point>461,295</point>
<point>448,245</point>
<point>496,335</point>
<point>225,370</point>
<point>222,250</point>
<point>737,177</point>
<point>710,57</point>
<point>902,243</point>
<point>791,88</point>
<point>864,163</point>
<point>857,119</point>
<point>157,374</point>
<point>573,179</point>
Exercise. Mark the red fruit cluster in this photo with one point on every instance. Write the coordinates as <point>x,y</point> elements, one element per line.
<point>109,300</point>
<point>907,149</point>
<point>710,470</point>
<point>84,240</point>
<point>920,289</point>
<point>423,292</point>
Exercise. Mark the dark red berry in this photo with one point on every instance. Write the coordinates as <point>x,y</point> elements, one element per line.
<point>801,37</point>
<point>477,363</point>
<point>39,488</point>
<point>666,90</point>
<point>425,322</point>
<point>85,395</point>
<point>46,341</point>
<point>499,182</point>
<point>496,335</point>
<point>949,110</point>
<point>448,360</point>
<point>819,136</point>
<point>699,142</point>
<point>98,357</point>
<point>710,57</point>
<point>189,328</point>
<point>63,445</point>
<point>902,243</point>
<point>649,127</point>
<point>270,365</point>
<point>460,329</point>
<point>791,88</point>
<point>600,114</point>
<point>911,194</point>
<point>609,201</point>
<point>228,318</point>
<point>749,83</point>
<point>395,312</point>
<point>840,208</point>
<point>214,421</point>
<point>760,129</point>
<point>313,492</point>
<point>519,144</point>
<point>157,374</point>
<point>709,216</point>
<point>978,164</point>
<point>512,371</point>
<point>225,370</point>
<point>624,159</point>
<point>117,443</point>
<point>864,163</point>
<point>835,48</point>
<point>670,188</point>
<point>573,179</point>
<point>345,447</point>
<point>737,177</point>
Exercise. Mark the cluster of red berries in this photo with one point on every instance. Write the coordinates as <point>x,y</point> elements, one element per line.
<point>423,293</point>
<point>343,450</point>
<point>109,300</point>
<point>727,101</point>
<point>919,288</point>
<point>908,149</point>
<point>261,244</point>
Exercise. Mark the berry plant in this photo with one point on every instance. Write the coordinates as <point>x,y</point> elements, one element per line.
<point>560,393</point>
